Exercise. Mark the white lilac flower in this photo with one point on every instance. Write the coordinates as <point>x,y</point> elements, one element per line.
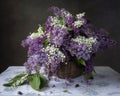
<point>67,14</point>
<point>87,41</point>
<point>37,34</point>
<point>78,23</point>
<point>64,12</point>
<point>57,22</point>
<point>48,36</point>
<point>22,80</point>
<point>80,15</point>
<point>52,50</point>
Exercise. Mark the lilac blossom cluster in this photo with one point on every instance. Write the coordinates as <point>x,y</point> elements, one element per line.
<point>55,57</point>
<point>64,35</point>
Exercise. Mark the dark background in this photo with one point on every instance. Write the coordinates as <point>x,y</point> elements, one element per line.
<point>20,17</point>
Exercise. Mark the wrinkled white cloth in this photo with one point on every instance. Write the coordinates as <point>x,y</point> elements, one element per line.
<point>106,83</point>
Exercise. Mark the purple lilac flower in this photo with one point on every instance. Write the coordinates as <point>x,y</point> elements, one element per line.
<point>58,12</point>
<point>35,48</point>
<point>57,35</point>
<point>104,39</point>
<point>78,50</point>
<point>87,30</point>
<point>48,24</point>
<point>89,66</point>
<point>69,20</point>
<point>34,45</point>
<point>28,67</point>
<point>26,42</point>
<point>95,47</point>
<point>55,10</point>
<point>35,62</point>
<point>54,63</point>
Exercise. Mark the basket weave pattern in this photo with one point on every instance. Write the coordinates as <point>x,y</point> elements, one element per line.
<point>69,70</point>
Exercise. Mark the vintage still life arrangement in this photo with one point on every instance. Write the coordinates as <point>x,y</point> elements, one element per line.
<point>64,47</point>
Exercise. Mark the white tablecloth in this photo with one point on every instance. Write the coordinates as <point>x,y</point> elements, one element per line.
<point>106,83</point>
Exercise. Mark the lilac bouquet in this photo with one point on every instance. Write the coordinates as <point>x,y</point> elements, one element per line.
<point>64,37</point>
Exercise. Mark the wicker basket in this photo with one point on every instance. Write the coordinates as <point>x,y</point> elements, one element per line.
<point>69,70</point>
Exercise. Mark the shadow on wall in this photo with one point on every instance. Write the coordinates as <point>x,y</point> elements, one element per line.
<point>20,17</point>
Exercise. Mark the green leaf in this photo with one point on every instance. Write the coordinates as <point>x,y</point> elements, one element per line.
<point>89,76</point>
<point>62,21</point>
<point>43,28</point>
<point>43,81</point>
<point>81,61</point>
<point>66,91</point>
<point>35,81</point>
<point>94,70</point>
<point>68,28</point>
<point>17,80</point>
<point>45,43</point>
<point>7,84</point>
<point>35,31</point>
